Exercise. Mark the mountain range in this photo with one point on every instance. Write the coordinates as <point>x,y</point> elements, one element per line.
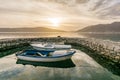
<point>113,27</point>
<point>36,29</point>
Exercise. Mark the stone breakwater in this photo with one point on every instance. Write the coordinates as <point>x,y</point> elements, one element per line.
<point>11,46</point>
<point>107,49</point>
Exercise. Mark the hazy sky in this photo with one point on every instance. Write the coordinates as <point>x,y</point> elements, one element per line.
<point>62,14</point>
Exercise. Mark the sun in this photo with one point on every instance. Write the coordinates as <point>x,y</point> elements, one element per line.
<point>55,22</point>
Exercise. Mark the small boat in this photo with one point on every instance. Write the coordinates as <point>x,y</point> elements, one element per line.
<point>50,47</point>
<point>45,56</point>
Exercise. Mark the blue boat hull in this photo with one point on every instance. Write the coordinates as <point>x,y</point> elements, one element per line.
<point>45,58</point>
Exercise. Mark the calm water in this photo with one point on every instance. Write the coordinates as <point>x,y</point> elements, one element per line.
<point>80,67</point>
<point>113,37</point>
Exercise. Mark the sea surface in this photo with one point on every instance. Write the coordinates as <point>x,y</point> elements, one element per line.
<point>104,36</point>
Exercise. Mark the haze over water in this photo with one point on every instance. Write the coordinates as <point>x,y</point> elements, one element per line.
<point>113,37</point>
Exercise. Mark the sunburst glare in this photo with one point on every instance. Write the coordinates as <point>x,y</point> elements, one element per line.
<point>55,22</point>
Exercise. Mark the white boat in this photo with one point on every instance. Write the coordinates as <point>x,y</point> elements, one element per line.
<point>50,46</point>
<point>45,56</point>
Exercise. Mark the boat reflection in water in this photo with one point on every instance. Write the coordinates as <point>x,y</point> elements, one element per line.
<point>59,64</point>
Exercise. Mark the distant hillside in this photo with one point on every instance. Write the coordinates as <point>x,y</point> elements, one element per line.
<point>113,27</point>
<point>37,29</point>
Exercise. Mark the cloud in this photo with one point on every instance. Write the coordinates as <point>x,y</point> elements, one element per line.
<point>75,13</point>
<point>107,9</point>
